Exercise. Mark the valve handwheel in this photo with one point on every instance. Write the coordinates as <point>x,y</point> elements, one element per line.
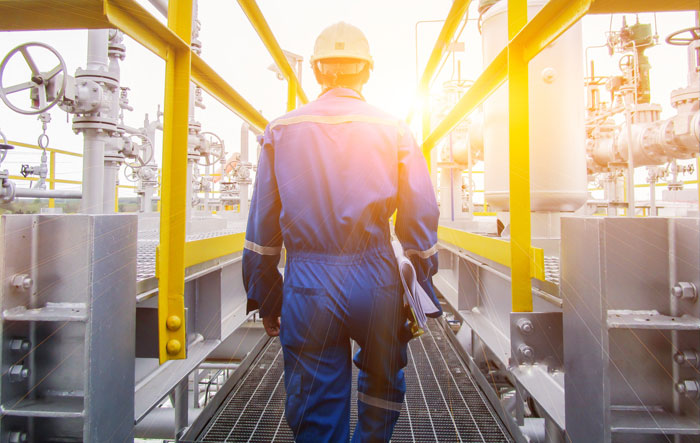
<point>144,153</point>
<point>42,81</point>
<point>215,152</point>
<point>676,39</point>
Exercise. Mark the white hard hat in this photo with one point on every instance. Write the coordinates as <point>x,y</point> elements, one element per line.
<point>342,40</point>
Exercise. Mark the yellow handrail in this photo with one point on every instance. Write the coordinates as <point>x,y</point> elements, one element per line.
<point>257,19</point>
<point>526,40</point>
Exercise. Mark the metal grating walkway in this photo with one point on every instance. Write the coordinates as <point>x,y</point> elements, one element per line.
<point>443,403</point>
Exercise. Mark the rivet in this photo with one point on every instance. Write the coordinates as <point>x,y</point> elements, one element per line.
<point>173,346</point>
<point>173,322</point>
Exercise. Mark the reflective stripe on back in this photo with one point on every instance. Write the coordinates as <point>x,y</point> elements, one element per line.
<point>337,119</point>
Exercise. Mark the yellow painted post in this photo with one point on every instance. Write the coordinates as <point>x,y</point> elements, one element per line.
<point>52,176</point>
<point>171,263</point>
<point>116,198</point>
<point>291,95</point>
<point>519,158</point>
<point>426,128</point>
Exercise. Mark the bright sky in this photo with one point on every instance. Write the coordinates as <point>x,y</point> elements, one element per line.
<point>232,47</point>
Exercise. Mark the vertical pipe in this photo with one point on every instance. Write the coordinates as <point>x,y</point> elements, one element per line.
<point>171,264</point>
<point>93,171</point>
<point>630,164</point>
<point>94,139</point>
<point>52,176</point>
<point>652,199</point>
<point>243,196</point>
<point>519,162</point>
<point>109,199</point>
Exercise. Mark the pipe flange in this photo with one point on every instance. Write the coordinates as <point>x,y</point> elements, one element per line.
<point>106,77</point>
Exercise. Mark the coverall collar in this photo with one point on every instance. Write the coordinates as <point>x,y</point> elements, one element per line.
<point>341,92</point>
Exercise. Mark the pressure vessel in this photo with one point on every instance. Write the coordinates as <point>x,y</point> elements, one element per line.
<point>557,136</point>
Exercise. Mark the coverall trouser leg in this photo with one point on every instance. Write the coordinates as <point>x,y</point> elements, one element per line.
<point>316,332</point>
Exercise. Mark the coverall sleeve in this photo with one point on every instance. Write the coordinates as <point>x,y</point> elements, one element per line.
<point>417,213</point>
<point>263,238</point>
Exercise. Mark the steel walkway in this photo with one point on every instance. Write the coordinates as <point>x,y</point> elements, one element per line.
<point>443,403</point>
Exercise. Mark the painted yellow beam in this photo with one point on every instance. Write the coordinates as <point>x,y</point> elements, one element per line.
<point>256,18</point>
<point>171,278</point>
<point>201,251</point>
<point>519,163</point>
<point>491,248</point>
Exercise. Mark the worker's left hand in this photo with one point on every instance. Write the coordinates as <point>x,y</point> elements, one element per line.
<point>272,325</point>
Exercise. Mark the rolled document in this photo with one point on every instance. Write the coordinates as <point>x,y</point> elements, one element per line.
<point>414,296</point>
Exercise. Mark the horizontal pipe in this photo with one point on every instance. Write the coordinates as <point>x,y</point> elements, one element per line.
<point>42,193</point>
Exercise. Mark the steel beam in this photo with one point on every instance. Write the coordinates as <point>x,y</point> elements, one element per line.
<point>519,161</point>
<point>171,279</point>
<point>256,18</point>
<point>201,251</point>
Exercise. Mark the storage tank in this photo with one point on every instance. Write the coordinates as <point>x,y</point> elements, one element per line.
<point>557,150</point>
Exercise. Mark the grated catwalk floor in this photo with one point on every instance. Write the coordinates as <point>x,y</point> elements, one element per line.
<point>443,403</point>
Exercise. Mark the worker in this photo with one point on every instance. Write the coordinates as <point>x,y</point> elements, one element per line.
<point>330,175</point>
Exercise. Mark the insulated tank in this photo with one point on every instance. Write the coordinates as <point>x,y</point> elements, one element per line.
<point>558,179</point>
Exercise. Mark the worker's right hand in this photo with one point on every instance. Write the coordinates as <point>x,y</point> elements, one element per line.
<point>272,325</point>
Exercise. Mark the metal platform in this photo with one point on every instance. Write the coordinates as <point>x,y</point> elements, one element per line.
<point>443,402</point>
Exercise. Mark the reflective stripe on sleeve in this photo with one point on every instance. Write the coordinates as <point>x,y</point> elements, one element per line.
<point>262,250</point>
<point>423,254</point>
<point>379,403</point>
<point>337,119</point>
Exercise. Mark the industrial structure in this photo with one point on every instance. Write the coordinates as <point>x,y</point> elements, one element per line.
<point>568,317</point>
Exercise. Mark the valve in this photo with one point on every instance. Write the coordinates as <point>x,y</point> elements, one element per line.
<point>47,88</point>
<point>675,38</point>
<point>137,154</point>
<point>211,149</point>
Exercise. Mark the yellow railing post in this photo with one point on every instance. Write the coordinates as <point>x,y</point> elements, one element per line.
<point>52,176</point>
<point>116,198</point>
<point>426,128</point>
<point>171,263</point>
<point>519,162</point>
<point>291,95</point>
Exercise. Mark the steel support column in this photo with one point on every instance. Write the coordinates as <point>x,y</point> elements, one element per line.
<point>171,266</point>
<point>519,157</point>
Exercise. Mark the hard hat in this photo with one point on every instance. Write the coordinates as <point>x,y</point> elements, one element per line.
<point>342,40</point>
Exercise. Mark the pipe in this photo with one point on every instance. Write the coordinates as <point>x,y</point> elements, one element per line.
<point>93,171</point>
<point>42,193</point>
<point>111,171</point>
<point>160,423</point>
<point>97,59</point>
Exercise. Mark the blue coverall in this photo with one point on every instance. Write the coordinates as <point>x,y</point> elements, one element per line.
<point>330,176</point>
